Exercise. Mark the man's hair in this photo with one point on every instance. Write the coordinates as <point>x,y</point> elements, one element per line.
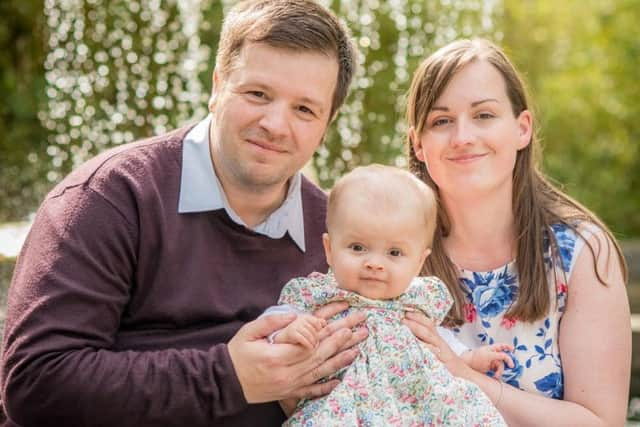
<point>389,188</point>
<point>300,25</point>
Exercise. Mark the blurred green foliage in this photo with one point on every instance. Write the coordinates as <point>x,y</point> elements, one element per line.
<point>581,62</point>
<point>23,159</point>
<point>75,82</point>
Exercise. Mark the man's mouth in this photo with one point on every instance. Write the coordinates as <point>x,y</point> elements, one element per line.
<point>267,146</point>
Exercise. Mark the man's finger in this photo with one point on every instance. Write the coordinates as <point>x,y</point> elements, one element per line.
<point>358,336</point>
<point>330,366</point>
<point>348,322</point>
<point>316,390</point>
<point>263,326</point>
<point>329,310</point>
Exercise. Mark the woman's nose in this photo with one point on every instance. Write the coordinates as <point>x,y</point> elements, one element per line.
<point>463,132</point>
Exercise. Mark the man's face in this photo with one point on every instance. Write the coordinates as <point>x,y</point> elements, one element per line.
<point>270,114</point>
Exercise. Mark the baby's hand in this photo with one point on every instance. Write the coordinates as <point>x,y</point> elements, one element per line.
<point>492,358</point>
<point>304,331</point>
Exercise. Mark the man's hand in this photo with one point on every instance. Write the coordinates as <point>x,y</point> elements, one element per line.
<point>269,372</point>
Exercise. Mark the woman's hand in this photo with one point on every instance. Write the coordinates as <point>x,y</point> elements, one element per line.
<point>424,329</point>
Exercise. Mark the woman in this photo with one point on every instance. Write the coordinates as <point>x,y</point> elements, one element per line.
<point>527,265</point>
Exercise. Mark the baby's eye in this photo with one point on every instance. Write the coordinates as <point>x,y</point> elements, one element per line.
<point>395,252</point>
<point>257,94</point>
<point>356,247</point>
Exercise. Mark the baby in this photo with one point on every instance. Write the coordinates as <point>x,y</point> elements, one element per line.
<point>380,223</point>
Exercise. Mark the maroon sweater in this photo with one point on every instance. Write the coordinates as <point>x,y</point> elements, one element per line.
<point>120,308</point>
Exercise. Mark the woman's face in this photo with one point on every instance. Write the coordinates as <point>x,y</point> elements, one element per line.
<point>471,136</point>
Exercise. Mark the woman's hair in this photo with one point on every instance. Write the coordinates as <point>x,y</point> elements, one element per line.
<point>537,204</point>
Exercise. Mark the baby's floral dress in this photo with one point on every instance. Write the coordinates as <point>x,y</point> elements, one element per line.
<point>395,380</point>
<point>488,295</point>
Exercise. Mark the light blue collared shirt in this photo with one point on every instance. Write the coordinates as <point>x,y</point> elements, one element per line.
<point>201,191</point>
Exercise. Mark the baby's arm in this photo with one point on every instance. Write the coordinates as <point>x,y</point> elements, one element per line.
<point>489,358</point>
<point>482,359</point>
<point>303,331</point>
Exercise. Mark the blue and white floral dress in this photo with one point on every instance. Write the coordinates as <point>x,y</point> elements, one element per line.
<point>489,294</point>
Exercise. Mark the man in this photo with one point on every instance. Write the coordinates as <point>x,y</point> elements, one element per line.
<point>130,300</point>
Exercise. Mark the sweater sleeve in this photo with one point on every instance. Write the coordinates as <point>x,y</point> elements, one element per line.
<point>72,282</point>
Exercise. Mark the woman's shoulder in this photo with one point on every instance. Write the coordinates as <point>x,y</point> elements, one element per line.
<point>570,238</point>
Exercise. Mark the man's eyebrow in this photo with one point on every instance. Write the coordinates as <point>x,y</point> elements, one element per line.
<point>473,104</point>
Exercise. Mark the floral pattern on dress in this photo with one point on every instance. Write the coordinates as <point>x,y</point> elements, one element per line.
<point>395,380</point>
<point>488,295</point>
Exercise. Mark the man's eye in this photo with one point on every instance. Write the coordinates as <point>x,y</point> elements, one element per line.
<point>306,110</point>
<point>356,247</point>
<point>395,252</point>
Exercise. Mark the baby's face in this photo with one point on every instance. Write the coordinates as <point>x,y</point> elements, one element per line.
<point>375,252</point>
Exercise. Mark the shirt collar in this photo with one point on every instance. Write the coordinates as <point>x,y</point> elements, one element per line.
<point>201,191</point>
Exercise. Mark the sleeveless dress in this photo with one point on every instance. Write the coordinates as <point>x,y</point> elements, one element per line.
<point>395,380</point>
<point>488,295</point>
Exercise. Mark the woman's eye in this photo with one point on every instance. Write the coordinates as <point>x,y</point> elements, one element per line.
<point>395,252</point>
<point>485,116</point>
<point>356,247</point>
<point>440,122</point>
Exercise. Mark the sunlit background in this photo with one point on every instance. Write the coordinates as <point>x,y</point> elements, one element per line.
<point>80,76</point>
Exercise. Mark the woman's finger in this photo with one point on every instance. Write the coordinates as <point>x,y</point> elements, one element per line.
<point>422,332</point>
<point>419,318</point>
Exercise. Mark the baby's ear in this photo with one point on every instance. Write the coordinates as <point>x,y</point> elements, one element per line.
<point>425,254</point>
<point>327,247</point>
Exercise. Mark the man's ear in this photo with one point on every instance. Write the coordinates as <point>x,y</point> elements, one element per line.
<point>215,90</point>
<point>327,247</point>
<point>416,144</point>
<point>525,126</point>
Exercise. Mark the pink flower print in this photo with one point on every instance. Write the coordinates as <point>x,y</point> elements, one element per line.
<point>407,398</point>
<point>470,312</point>
<point>508,322</point>
<point>395,421</point>
<point>561,287</point>
<point>335,406</point>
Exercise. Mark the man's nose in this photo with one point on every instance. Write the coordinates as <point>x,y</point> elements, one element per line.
<point>275,120</point>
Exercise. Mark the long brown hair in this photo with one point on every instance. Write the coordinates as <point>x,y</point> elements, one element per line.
<point>537,203</point>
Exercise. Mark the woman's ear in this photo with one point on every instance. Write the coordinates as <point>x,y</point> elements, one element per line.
<point>525,126</point>
<point>416,144</point>
<point>327,247</point>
